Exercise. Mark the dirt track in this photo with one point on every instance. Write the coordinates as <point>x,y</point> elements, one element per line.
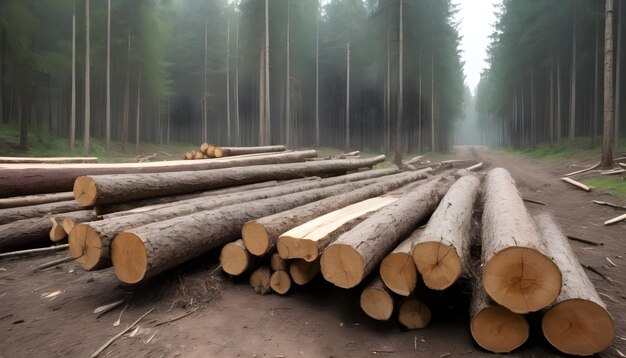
<point>318,321</point>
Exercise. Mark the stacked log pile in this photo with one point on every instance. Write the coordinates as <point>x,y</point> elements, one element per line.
<point>209,151</point>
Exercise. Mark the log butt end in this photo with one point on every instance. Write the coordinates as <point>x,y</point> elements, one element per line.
<point>218,152</point>
<point>302,272</point>
<point>85,246</point>
<point>499,330</point>
<point>578,327</point>
<point>256,238</point>
<point>234,259</point>
<point>57,232</point>
<point>414,314</point>
<point>399,274</point>
<point>439,264</point>
<point>293,248</point>
<point>522,279</point>
<point>377,303</point>
<point>85,191</point>
<point>129,257</point>
<point>280,282</point>
<point>260,280</point>
<point>342,265</point>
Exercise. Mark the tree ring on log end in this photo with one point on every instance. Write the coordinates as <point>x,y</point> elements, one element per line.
<point>280,282</point>
<point>130,258</point>
<point>439,264</point>
<point>377,303</point>
<point>294,248</point>
<point>499,330</point>
<point>234,259</point>
<point>85,191</point>
<point>255,238</point>
<point>342,265</point>
<point>578,327</point>
<point>398,272</point>
<point>85,246</point>
<point>522,279</point>
<point>414,314</point>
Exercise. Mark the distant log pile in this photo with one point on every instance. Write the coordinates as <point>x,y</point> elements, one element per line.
<point>209,151</point>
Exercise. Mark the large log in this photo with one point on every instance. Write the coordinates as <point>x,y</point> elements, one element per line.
<point>578,322</point>
<point>494,327</point>
<point>376,300</point>
<point>151,249</point>
<point>441,252</point>
<point>397,270</point>
<point>303,272</point>
<point>516,273</point>
<point>232,151</point>
<point>17,179</point>
<point>25,233</point>
<point>355,254</point>
<point>90,242</point>
<point>260,235</point>
<point>106,189</point>
<point>35,211</point>
<point>17,201</point>
<point>235,258</point>
<point>47,160</point>
<point>308,240</point>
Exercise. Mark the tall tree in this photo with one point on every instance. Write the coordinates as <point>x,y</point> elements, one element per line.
<point>609,114</point>
<point>288,124</point>
<point>347,141</point>
<point>86,133</point>
<point>73,100</point>
<point>400,82</point>
<point>618,64</point>
<point>572,98</point>
<point>108,104</point>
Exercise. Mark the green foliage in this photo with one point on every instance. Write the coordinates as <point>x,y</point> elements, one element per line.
<point>616,186</point>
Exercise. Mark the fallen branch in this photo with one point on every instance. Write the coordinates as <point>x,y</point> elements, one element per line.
<point>613,171</point>
<point>34,251</point>
<point>622,164</point>
<point>53,263</point>
<point>576,184</point>
<point>583,170</point>
<point>615,220</point>
<point>108,343</point>
<point>593,243</point>
<point>475,167</point>
<point>533,201</point>
<point>609,204</point>
<point>176,318</point>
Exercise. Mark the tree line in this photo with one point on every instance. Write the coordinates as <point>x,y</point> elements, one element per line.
<point>362,74</point>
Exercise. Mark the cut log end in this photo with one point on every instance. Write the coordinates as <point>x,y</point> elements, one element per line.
<point>439,264</point>
<point>398,272</point>
<point>85,191</point>
<point>578,327</point>
<point>377,303</point>
<point>280,282</point>
<point>522,279</point>
<point>218,152</point>
<point>294,248</point>
<point>57,232</point>
<point>342,265</point>
<point>234,258</point>
<point>499,330</point>
<point>85,246</point>
<point>260,280</point>
<point>302,272</point>
<point>277,263</point>
<point>129,257</point>
<point>414,314</point>
<point>255,238</point>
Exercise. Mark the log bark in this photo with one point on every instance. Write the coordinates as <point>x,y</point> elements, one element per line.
<point>47,160</point>
<point>232,151</point>
<point>398,270</point>
<point>151,249</point>
<point>280,282</point>
<point>355,254</point>
<point>516,273</point>
<point>578,322</point>
<point>441,252</point>
<point>494,327</point>
<point>27,200</point>
<point>63,224</point>
<point>90,242</point>
<point>40,210</point>
<point>260,280</point>
<point>414,313</point>
<point>303,272</point>
<point>106,189</point>
<point>235,258</point>
<point>376,300</point>
<point>261,235</point>
<point>26,233</point>
<point>277,263</point>
<point>308,240</point>
<point>50,178</point>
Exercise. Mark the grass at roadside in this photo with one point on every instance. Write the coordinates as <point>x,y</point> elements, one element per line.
<point>615,185</point>
<point>580,149</point>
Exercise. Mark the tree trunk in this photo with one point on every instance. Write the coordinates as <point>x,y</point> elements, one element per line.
<point>376,300</point>
<point>126,115</point>
<point>317,79</point>
<point>73,104</point>
<point>414,314</point>
<point>397,270</point>
<point>355,254</point>
<point>261,235</point>
<point>232,151</point>
<point>205,95</point>
<point>559,116</point>
<point>347,140</point>
<point>27,200</point>
<point>578,322</point>
<point>551,100</point>
<point>32,211</point>
<point>50,178</point>
<point>432,101</point>
<point>138,118</point>
<point>516,273</point>
<point>25,233</point>
<point>280,282</point>
<point>388,94</point>
<point>303,272</point>
<point>94,239</point>
<point>572,96</point>
<point>260,280</point>
<point>609,116</point>
<point>441,253</point>
<point>235,259</point>
<point>398,144</point>
<point>86,132</point>
<point>618,64</point>
<point>238,122</point>
<point>595,89</point>
<point>288,129</point>
<point>108,105</point>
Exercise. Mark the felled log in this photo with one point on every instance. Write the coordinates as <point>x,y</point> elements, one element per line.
<point>260,235</point>
<point>35,211</point>
<point>204,146</point>
<point>398,270</point>
<point>235,258</point>
<point>376,300</point>
<point>280,282</point>
<point>494,327</point>
<point>441,251</point>
<point>28,200</point>
<point>260,280</point>
<point>232,151</point>
<point>308,240</point>
<point>47,160</point>
<point>615,219</point>
<point>90,242</point>
<point>151,249</point>
<point>62,224</point>
<point>355,254</point>
<point>105,189</point>
<point>302,272</point>
<point>516,273</point>
<point>578,322</point>
<point>25,233</point>
<point>277,263</point>
<point>414,313</point>
<point>577,184</point>
<point>19,179</point>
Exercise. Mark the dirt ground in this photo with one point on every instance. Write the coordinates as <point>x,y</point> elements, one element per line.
<point>49,313</point>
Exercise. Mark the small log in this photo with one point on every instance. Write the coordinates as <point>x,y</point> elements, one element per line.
<point>63,224</point>
<point>622,164</point>
<point>260,280</point>
<point>441,252</point>
<point>47,160</point>
<point>280,282</point>
<point>415,160</point>
<point>36,211</point>
<point>583,170</point>
<point>577,184</point>
<point>232,151</point>
<point>204,146</point>
<point>18,201</point>
<point>235,258</point>
<point>189,155</point>
<point>414,313</point>
<point>615,220</point>
<point>578,322</point>
<point>376,300</point>
<point>198,155</point>
<point>303,272</point>
<point>475,167</point>
<point>277,263</point>
<point>609,204</point>
<point>398,270</point>
<point>612,172</point>
<point>25,233</point>
<point>34,251</point>
<point>516,273</point>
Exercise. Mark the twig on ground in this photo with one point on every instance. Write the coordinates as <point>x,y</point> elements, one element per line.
<point>534,201</point>
<point>609,204</point>
<point>583,170</point>
<point>53,263</point>
<point>177,317</point>
<point>35,251</point>
<point>108,343</point>
<point>588,242</point>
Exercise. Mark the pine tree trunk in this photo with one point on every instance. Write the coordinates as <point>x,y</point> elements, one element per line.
<point>73,104</point>
<point>347,130</point>
<point>317,79</point>
<point>205,95</point>
<point>126,115</point>
<point>432,101</point>
<point>398,143</point>
<point>572,98</point>
<point>138,118</point>
<point>108,104</point>
<point>552,100</point>
<point>594,127</point>
<point>609,99</point>
<point>288,129</point>
<point>229,139</point>
<point>559,116</point>
<point>237,119</point>
<point>267,122</point>
<point>618,64</point>
<point>87,84</point>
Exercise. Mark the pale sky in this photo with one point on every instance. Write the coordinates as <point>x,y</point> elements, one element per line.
<point>476,18</point>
